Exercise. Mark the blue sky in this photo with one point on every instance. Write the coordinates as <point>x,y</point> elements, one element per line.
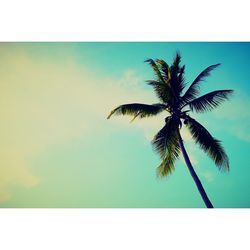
<point>60,151</point>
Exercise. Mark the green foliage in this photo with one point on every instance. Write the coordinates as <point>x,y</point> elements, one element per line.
<point>194,88</point>
<point>162,90</point>
<point>209,101</point>
<point>208,144</point>
<point>166,144</point>
<point>156,70</point>
<point>166,137</point>
<point>138,110</point>
<point>164,68</point>
<point>176,72</point>
<point>168,86</point>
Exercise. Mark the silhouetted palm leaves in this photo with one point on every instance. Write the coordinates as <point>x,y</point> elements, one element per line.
<point>168,86</point>
<point>138,110</point>
<point>193,90</point>
<point>166,144</point>
<point>208,143</point>
<point>209,101</point>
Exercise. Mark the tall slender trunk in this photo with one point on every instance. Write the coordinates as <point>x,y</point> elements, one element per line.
<point>194,175</point>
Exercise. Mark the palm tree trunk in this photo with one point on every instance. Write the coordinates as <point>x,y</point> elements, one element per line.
<point>194,175</point>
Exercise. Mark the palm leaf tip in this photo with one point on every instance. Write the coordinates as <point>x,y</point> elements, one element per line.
<point>149,60</point>
<point>165,169</point>
<point>115,111</point>
<point>110,114</point>
<point>206,72</point>
<point>177,58</point>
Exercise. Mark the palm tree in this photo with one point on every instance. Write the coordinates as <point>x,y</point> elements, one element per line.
<point>168,86</point>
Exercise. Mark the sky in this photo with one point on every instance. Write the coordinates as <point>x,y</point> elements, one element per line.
<point>59,150</point>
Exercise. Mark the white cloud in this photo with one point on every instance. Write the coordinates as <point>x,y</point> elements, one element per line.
<point>47,102</point>
<point>44,102</point>
<point>209,176</point>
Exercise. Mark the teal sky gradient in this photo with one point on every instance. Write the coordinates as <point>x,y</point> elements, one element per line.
<point>60,151</point>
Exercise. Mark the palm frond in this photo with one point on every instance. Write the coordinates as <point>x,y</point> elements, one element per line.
<point>162,90</point>
<point>138,110</point>
<point>156,69</point>
<point>208,144</point>
<point>165,137</point>
<point>209,101</point>
<point>164,68</point>
<point>166,167</point>
<point>177,73</point>
<point>181,79</point>
<point>177,60</point>
<point>193,90</point>
<point>166,144</point>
